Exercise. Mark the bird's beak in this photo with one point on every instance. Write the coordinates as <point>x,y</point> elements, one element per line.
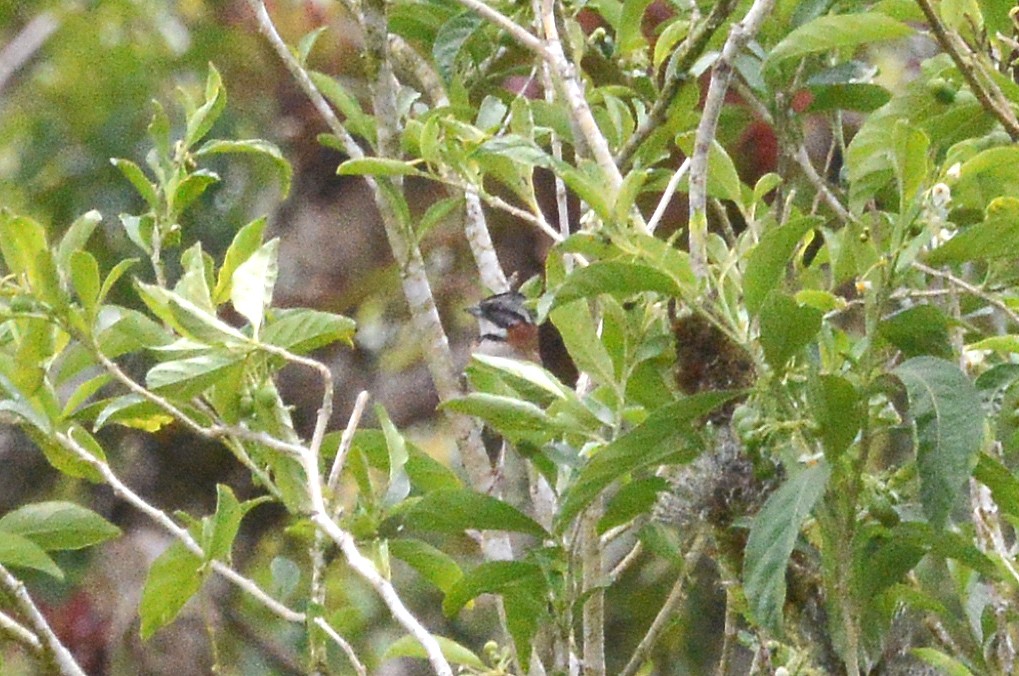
<point>473,310</point>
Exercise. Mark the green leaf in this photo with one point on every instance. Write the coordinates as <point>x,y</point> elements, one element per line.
<point>133,173</point>
<point>85,279</point>
<point>514,418</point>
<point>24,248</point>
<point>58,525</point>
<point>438,213</point>
<point>139,230</point>
<point>786,328</point>
<point>772,537</point>
<point>579,334</point>
<point>131,410</point>
<point>191,376</point>
<point>377,166</point>
<point>668,436</point>
<point>1003,484</point>
<point>723,179</point>
<point>307,43</point>
<point>450,40</point>
<point>115,274</point>
<point>201,120</point>
<point>355,118</point>
<point>860,96</point>
<point>188,318</point>
<point>430,563</point>
<point>302,331</point>
<point>909,160</point>
<point>918,330</point>
<point>616,277</point>
<point>77,237</point>
<point>175,576</point>
<point>256,147</point>
<point>630,35</point>
<point>84,391</point>
<point>834,32</point>
<point>836,407</point>
<point>456,510</point>
<point>399,483</point>
<point>191,188</point>
<point>996,237</point>
<point>245,243</point>
<point>67,461</point>
<point>493,577</point>
<point>18,551</point>
<point>669,38</point>
<point>949,421</point>
<point>523,375</point>
<point>408,646</point>
<point>945,664</point>
<point>226,522</point>
<point>253,282</point>
<point>767,261</point>
<point>632,500</point>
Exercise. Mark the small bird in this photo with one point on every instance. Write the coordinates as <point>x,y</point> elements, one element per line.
<point>506,327</point>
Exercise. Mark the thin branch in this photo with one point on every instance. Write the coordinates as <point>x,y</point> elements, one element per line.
<point>516,31</point>
<point>18,632</point>
<point>346,439</point>
<point>721,76</point>
<point>593,563</point>
<point>475,225</point>
<point>678,75</point>
<point>267,27</point>
<point>50,646</point>
<point>970,288</point>
<point>170,526</point>
<point>25,44</point>
<point>666,612</point>
<point>989,95</point>
<point>215,432</point>
<point>670,190</point>
<point>364,567</point>
<point>347,649</point>
<point>565,73</point>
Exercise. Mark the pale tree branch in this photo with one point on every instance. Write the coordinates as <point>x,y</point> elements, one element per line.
<point>346,440</point>
<point>50,649</point>
<point>667,611</point>
<point>23,46</point>
<point>18,632</point>
<point>565,73</point>
<point>969,288</point>
<point>416,287</point>
<point>679,74</point>
<point>721,75</point>
<point>593,563</point>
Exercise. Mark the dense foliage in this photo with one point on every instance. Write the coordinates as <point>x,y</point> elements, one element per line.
<point>782,241</point>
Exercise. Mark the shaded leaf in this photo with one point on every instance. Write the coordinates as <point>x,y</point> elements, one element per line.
<point>408,646</point>
<point>786,328</point>
<point>175,576</point>
<point>58,525</point>
<point>946,411</point>
<point>17,551</point>
<point>456,510</point>
<point>772,538</point>
<point>668,436</point>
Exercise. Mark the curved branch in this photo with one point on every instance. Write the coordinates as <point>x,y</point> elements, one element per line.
<point>50,647</point>
<point>679,74</point>
<point>721,76</point>
<point>990,96</point>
